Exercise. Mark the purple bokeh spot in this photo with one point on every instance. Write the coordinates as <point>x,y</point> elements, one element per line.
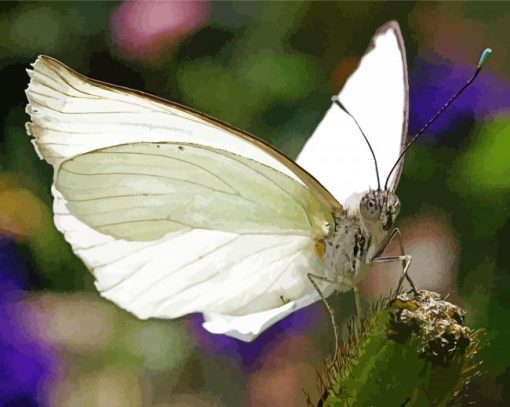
<point>249,353</point>
<point>25,364</point>
<point>12,271</point>
<point>433,81</point>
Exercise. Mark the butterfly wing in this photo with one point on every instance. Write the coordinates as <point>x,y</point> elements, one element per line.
<point>247,327</point>
<point>376,94</point>
<point>72,114</point>
<point>172,211</point>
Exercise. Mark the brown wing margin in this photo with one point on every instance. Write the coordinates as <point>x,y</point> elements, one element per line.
<point>303,175</point>
<point>393,25</point>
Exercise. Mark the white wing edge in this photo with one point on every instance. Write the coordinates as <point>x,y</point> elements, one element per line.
<point>246,328</point>
<point>394,25</point>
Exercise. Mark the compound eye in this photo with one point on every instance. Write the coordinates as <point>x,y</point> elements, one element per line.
<point>370,208</point>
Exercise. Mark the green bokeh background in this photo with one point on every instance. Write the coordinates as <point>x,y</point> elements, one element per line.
<point>269,68</point>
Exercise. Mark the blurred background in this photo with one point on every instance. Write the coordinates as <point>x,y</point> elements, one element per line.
<point>269,68</point>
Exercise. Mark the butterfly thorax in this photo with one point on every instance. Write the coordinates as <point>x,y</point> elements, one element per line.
<point>358,235</point>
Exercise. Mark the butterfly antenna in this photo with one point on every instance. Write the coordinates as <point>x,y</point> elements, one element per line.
<point>335,100</point>
<point>483,58</point>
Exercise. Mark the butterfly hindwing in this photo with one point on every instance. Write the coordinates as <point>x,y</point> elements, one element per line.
<point>142,191</point>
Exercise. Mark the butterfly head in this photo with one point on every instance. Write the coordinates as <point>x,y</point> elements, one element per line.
<point>379,207</point>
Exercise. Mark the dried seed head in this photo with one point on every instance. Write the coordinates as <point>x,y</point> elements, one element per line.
<point>438,325</point>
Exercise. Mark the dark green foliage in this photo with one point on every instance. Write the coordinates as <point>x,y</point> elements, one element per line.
<point>412,351</point>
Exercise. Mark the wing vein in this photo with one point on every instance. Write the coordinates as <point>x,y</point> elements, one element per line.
<point>276,279</point>
<point>116,196</point>
<point>203,256</point>
<point>141,249</point>
<point>274,183</point>
<point>255,253</point>
<point>40,71</point>
<point>145,175</point>
<point>180,160</point>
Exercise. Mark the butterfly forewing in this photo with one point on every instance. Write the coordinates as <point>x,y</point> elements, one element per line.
<point>72,115</point>
<point>376,94</point>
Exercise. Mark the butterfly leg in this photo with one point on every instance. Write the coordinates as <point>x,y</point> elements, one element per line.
<point>311,277</point>
<point>396,232</point>
<point>406,259</point>
<point>357,300</point>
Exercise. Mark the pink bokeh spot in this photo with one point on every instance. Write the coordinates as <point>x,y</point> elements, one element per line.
<point>142,29</point>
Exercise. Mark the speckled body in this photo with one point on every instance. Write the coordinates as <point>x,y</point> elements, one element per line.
<point>354,241</point>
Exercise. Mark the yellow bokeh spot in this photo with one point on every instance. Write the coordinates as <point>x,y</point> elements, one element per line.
<point>21,212</point>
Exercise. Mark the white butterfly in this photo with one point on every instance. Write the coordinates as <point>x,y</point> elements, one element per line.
<point>175,212</point>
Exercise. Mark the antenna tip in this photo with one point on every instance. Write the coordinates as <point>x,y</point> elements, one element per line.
<point>487,52</point>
